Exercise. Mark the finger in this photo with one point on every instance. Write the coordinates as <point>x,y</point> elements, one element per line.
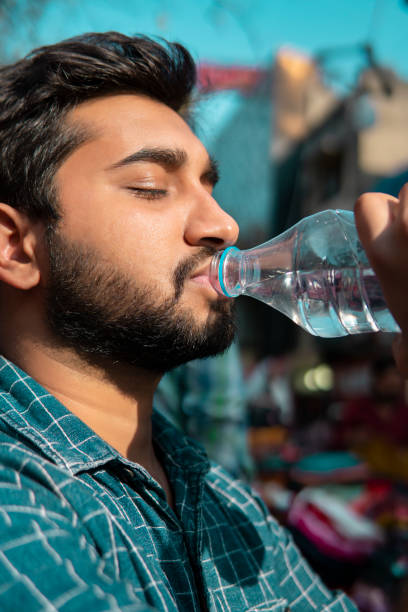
<point>403,205</point>
<point>373,213</point>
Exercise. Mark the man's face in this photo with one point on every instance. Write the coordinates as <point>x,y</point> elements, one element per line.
<point>129,259</point>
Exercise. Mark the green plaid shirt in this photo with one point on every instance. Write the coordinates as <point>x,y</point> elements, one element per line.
<point>82,528</point>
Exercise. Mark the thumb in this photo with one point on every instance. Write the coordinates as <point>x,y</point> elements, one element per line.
<point>374,213</point>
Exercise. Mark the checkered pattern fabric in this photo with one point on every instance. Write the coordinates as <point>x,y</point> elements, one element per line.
<point>82,528</point>
<point>205,399</point>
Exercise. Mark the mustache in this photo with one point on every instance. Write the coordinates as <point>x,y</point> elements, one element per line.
<point>184,268</point>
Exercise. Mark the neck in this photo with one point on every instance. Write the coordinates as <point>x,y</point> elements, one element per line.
<point>114,401</point>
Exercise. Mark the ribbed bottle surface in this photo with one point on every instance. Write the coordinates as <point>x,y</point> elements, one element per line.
<point>316,273</point>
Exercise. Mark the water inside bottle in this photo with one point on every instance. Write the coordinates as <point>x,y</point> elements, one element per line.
<point>328,302</point>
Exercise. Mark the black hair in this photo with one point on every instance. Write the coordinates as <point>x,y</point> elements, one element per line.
<point>37,92</point>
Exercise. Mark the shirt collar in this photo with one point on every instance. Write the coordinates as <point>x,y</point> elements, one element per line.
<point>35,414</point>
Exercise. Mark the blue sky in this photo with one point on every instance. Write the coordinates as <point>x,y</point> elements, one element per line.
<point>239,31</point>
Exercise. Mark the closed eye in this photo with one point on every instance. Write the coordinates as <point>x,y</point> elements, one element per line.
<point>211,176</point>
<point>148,193</point>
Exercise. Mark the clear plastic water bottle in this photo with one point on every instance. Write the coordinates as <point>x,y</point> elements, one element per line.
<point>316,273</point>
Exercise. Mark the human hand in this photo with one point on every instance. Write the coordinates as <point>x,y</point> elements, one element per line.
<point>382,224</point>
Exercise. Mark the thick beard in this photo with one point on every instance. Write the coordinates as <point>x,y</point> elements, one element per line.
<point>102,314</point>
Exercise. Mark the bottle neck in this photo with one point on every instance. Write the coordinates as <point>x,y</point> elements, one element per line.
<point>229,273</point>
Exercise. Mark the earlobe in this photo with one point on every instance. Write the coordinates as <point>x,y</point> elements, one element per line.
<point>18,239</point>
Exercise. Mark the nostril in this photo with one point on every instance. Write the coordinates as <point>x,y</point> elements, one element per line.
<point>213,241</point>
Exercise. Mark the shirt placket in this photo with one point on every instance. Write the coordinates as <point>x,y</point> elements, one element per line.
<point>192,525</point>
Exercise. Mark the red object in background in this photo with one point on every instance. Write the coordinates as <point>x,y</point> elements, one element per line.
<point>364,412</point>
<point>212,77</point>
<point>376,497</point>
<point>335,529</point>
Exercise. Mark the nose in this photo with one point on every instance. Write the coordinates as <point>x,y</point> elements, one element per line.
<point>209,225</point>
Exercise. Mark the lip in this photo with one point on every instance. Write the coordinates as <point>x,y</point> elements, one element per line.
<point>204,271</point>
<point>202,276</point>
<point>202,280</point>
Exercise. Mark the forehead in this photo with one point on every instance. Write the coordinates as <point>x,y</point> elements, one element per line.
<point>122,123</point>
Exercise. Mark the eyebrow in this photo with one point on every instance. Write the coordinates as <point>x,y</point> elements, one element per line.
<point>171,159</point>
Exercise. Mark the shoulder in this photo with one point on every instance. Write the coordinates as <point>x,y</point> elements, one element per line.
<point>17,450</point>
<point>232,489</point>
<point>244,536</point>
<point>29,479</point>
<point>232,494</point>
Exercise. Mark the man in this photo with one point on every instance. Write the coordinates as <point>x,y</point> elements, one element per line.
<point>107,228</point>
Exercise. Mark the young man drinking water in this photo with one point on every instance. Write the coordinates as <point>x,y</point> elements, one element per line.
<point>107,229</point>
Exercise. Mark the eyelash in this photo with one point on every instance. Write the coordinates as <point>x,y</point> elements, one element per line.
<point>149,194</point>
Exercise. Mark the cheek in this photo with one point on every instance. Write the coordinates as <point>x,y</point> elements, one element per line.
<point>143,238</point>
<point>145,245</point>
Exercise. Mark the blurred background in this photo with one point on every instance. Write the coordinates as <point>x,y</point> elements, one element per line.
<point>305,105</point>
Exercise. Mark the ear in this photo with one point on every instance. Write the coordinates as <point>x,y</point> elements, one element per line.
<point>18,239</point>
